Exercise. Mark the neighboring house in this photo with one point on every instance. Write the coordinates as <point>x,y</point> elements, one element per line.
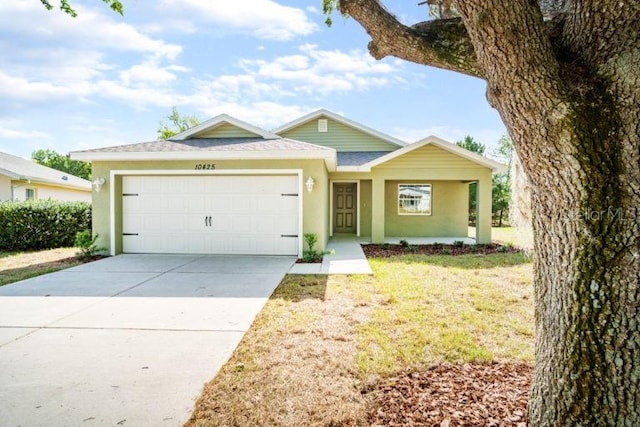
<point>22,179</point>
<point>228,187</point>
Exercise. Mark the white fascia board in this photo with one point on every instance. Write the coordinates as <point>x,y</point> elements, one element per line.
<point>57,184</point>
<point>42,181</point>
<point>340,119</point>
<point>216,121</point>
<point>328,155</point>
<point>353,169</point>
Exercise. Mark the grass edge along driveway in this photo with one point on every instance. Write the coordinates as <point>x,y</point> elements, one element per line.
<point>322,344</point>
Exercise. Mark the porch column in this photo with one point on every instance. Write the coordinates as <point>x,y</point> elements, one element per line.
<point>483,200</point>
<point>377,210</point>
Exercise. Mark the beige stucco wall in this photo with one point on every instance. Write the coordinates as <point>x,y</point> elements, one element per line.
<point>43,192</point>
<point>365,208</point>
<point>418,167</point>
<point>5,188</point>
<point>315,204</point>
<point>63,194</point>
<point>449,211</point>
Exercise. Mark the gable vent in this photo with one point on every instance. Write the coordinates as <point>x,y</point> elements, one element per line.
<point>322,125</point>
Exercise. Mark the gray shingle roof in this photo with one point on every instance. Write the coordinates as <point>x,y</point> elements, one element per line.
<point>211,144</point>
<point>19,168</point>
<point>358,158</point>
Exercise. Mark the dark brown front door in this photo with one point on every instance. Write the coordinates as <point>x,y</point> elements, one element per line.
<point>344,208</point>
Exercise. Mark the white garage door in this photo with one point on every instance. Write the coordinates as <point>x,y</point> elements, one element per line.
<point>210,214</point>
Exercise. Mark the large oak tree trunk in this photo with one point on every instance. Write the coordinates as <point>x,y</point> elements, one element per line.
<point>568,91</point>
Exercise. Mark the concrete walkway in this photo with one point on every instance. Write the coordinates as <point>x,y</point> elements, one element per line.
<point>128,340</point>
<point>347,257</point>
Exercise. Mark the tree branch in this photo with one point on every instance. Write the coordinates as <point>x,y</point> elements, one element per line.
<point>442,43</point>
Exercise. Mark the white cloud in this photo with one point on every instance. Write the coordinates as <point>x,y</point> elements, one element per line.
<point>265,19</point>
<point>6,133</point>
<point>54,57</point>
<point>91,29</point>
<point>149,72</point>
<point>316,71</point>
<point>267,115</point>
<point>21,90</point>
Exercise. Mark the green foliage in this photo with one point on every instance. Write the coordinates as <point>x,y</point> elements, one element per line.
<point>458,243</point>
<point>61,162</point>
<point>86,244</point>
<point>65,6</point>
<point>177,124</point>
<point>404,243</point>
<point>328,6</point>
<point>42,224</point>
<point>468,143</point>
<point>312,255</point>
<point>311,239</point>
<point>501,182</point>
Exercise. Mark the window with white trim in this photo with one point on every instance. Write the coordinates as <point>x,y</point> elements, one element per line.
<point>29,194</point>
<point>414,199</point>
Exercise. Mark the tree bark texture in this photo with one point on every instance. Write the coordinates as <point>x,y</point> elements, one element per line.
<point>568,91</point>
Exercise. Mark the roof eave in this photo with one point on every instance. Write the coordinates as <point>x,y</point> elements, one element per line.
<point>353,169</point>
<point>203,155</point>
<point>36,180</point>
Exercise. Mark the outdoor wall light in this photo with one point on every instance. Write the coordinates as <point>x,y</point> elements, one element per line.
<point>309,183</point>
<point>98,183</point>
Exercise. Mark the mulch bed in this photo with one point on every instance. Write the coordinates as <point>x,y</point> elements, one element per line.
<point>449,395</point>
<point>387,250</point>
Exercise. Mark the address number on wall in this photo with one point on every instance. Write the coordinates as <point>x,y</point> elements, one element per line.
<point>205,166</point>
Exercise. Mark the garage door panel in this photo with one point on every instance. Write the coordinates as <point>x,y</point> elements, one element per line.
<point>245,224</point>
<point>211,214</point>
<point>221,185</point>
<point>218,203</point>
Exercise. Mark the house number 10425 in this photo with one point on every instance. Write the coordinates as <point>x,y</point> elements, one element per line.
<point>205,166</point>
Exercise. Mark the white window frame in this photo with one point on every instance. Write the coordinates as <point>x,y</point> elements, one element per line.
<point>400,211</point>
<point>33,192</point>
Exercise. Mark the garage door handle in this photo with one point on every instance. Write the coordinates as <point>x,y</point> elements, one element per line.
<point>288,235</point>
<point>208,221</point>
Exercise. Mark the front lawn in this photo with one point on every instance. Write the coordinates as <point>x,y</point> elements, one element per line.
<point>16,266</point>
<point>338,350</point>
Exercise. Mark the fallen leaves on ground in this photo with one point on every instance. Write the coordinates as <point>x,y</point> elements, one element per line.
<point>387,250</point>
<point>450,395</point>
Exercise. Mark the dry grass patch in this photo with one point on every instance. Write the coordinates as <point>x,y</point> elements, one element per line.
<point>322,347</point>
<point>295,365</point>
<point>16,266</point>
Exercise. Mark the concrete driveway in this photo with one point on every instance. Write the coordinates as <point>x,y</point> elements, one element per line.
<point>128,340</point>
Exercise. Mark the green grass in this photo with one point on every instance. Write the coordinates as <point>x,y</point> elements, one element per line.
<point>442,308</point>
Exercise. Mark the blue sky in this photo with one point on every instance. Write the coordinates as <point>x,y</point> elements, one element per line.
<point>101,79</point>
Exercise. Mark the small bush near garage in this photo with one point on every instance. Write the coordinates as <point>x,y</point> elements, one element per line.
<point>42,224</point>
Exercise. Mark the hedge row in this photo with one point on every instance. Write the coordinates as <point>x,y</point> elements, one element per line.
<point>42,224</point>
